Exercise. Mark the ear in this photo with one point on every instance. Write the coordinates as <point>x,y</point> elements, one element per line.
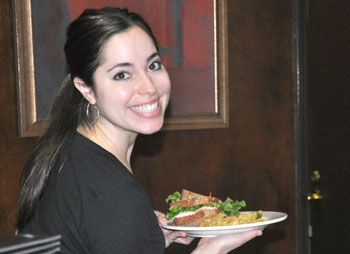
<point>85,90</point>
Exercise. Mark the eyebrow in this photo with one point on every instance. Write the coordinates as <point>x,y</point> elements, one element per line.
<point>129,64</point>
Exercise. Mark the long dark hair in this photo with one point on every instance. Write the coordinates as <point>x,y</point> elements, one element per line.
<point>86,37</point>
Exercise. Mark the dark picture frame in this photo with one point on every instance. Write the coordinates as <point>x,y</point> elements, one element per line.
<point>190,108</point>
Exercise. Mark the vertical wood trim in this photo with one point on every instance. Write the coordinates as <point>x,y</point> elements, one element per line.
<point>302,211</point>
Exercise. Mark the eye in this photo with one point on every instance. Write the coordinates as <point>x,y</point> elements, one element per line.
<point>122,75</point>
<point>156,65</point>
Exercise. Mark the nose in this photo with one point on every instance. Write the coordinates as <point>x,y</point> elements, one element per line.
<point>147,85</point>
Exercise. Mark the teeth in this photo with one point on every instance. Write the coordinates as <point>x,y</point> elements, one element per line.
<point>146,108</point>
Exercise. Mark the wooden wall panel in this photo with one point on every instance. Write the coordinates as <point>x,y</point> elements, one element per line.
<point>13,150</point>
<point>251,160</point>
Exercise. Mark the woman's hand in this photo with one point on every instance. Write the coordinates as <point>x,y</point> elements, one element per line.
<point>223,244</point>
<point>172,236</point>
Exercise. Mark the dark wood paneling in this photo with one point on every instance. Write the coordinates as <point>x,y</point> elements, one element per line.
<point>13,150</point>
<point>251,160</point>
<point>329,123</point>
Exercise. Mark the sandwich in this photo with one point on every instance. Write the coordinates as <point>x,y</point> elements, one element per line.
<point>189,208</point>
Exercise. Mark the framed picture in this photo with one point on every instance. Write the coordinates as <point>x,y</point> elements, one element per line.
<point>193,42</point>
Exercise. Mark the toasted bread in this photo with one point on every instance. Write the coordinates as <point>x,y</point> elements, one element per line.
<point>186,194</point>
<point>194,219</point>
<point>195,201</point>
<point>189,198</point>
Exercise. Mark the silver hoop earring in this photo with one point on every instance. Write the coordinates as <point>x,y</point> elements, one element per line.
<point>92,113</point>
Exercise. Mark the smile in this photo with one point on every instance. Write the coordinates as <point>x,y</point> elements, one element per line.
<point>149,108</point>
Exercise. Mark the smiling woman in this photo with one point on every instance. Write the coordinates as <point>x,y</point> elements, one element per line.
<point>192,37</point>
<point>80,172</point>
<point>131,90</point>
<point>78,182</point>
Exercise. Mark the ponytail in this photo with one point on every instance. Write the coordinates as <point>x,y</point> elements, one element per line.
<point>66,112</point>
<point>86,37</point>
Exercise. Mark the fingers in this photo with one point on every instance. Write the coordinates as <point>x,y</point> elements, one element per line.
<point>161,217</point>
<point>233,241</point>
<point>225,243</point>
<point>247,236</point>
<point>178,237</point>
<point>186,241</point>
<point>172,236</point>
<point>158,213</point>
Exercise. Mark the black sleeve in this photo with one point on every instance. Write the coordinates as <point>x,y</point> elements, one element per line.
<point>121,221</point>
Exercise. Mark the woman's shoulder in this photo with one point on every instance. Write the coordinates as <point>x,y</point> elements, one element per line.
<point>85,158</point>
<point>85,165</point>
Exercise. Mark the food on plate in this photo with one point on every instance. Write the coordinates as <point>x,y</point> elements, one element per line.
<point>190,208</point>
<point>222,219</point>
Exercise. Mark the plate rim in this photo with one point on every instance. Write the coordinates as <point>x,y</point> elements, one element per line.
<point>278,217</point>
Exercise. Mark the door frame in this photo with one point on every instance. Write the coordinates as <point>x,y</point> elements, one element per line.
<point>302,207</point>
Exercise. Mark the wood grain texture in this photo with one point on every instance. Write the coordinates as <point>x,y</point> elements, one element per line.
<point>253,158</point>
<point>13,150</point>
<point>250,160</point>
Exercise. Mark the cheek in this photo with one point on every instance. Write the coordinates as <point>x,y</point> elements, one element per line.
<point>118,97</point>
<point>164,84</point>
<point>123,94</point>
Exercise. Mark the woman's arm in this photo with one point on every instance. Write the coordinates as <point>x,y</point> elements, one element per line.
<point>216,245</point>
<point>223,244</point>
<point>172,236</point>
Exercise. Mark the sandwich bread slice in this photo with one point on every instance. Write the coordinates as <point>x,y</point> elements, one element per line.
<point>194,219</point>
<point>190,208</point>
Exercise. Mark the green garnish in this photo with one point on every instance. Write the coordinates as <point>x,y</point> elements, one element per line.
<point>175,197</point>
<point>173,211</point>
<point>229,207</point>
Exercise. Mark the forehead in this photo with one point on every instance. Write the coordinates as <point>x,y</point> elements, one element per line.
<point>129,45</point>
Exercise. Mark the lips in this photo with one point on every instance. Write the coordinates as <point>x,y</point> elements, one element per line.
<point>146,108</point>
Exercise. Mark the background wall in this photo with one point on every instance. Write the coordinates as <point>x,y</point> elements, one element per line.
<point>250,160</point>
<point>13,150</point>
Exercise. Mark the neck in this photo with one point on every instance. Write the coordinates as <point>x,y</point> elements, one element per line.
<point>120,144</point>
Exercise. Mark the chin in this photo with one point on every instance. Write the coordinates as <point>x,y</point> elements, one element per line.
<point>150,129</point>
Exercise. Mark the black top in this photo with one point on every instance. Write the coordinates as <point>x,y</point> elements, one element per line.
<point>96,205</point>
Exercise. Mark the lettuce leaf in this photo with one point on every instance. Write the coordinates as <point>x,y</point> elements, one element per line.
<point>174,197</point>
<point>229,207</point>
<point>173,211</point>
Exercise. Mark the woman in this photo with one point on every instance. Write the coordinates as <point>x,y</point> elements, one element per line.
<point>79,182</point>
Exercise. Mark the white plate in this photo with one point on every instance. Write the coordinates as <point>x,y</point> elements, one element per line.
<point>270,217</point>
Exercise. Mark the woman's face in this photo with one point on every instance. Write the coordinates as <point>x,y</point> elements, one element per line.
<point>132,87</point>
